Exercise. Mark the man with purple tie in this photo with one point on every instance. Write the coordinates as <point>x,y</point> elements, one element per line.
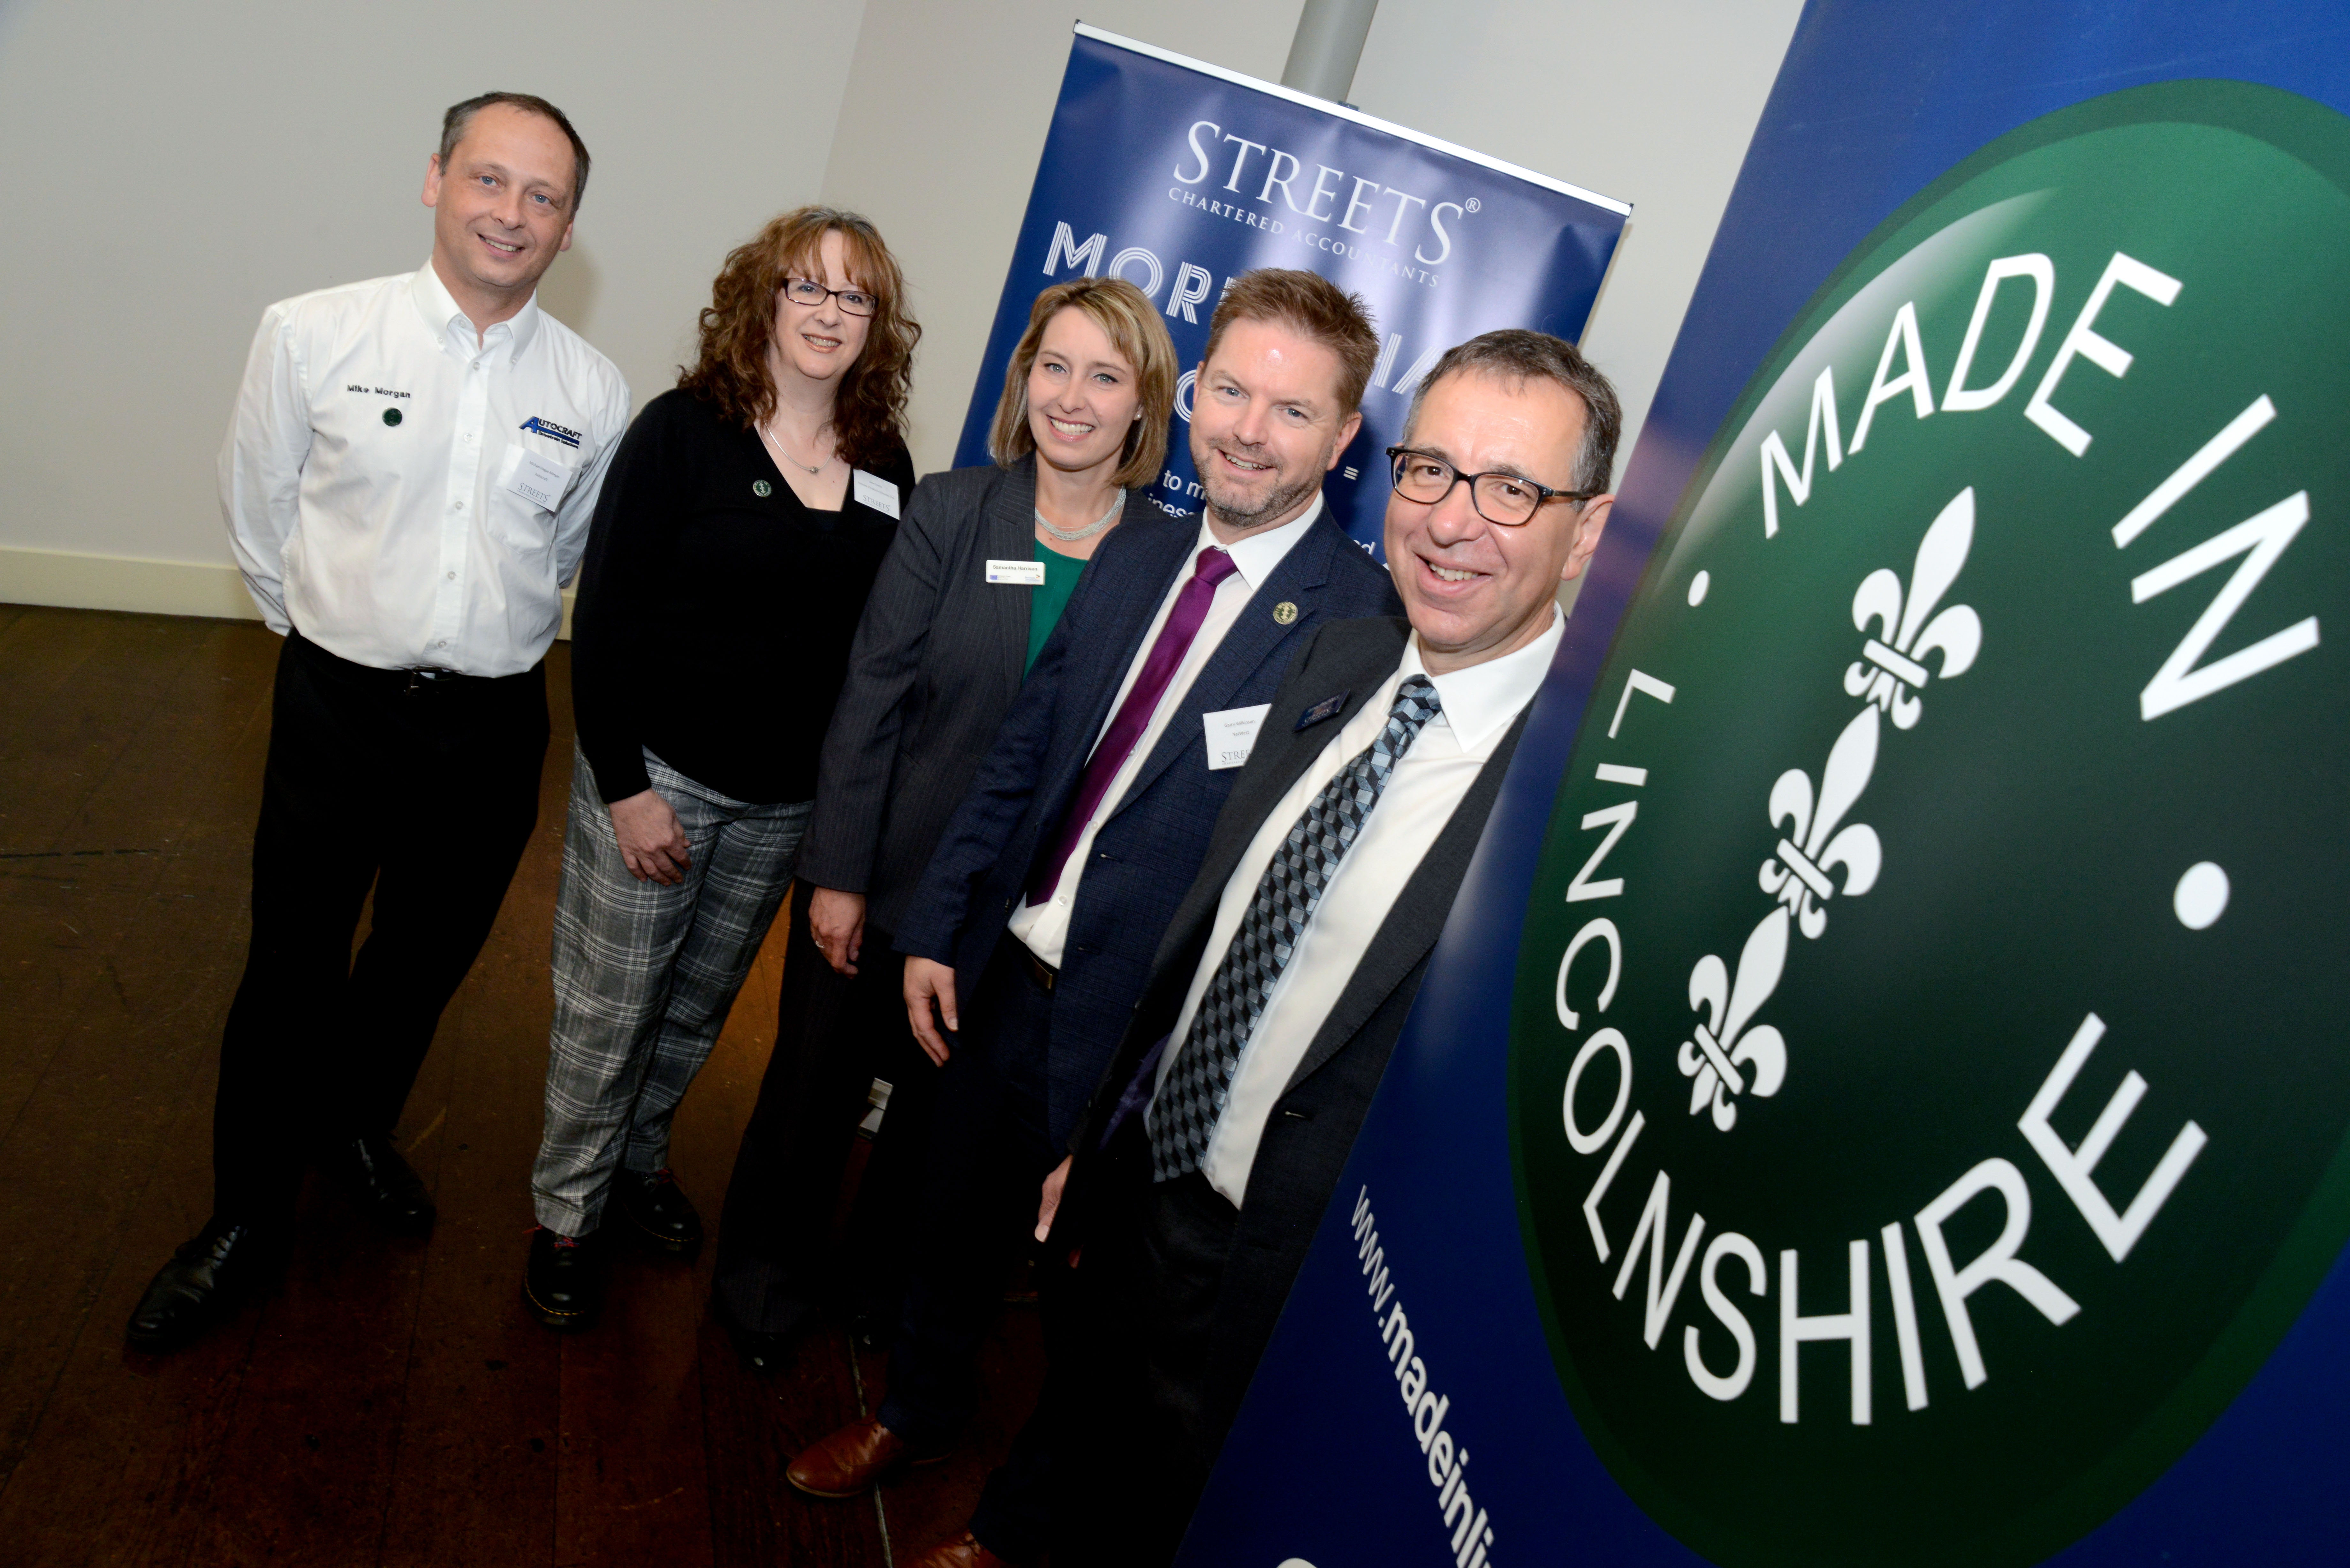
<point>1035,925</point>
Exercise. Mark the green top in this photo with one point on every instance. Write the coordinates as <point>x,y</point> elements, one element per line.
<point>1045,603</point>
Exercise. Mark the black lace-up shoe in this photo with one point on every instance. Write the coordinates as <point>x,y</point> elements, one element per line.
<point>658,1211</point>
<point>564,1282</point>
<point>226,1263</point>
<point>383,1182</point>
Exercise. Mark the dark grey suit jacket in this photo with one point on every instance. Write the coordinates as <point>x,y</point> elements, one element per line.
<point>936,662</point>
<point>1312,1125</point>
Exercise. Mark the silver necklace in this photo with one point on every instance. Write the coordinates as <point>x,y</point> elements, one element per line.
<point>776,444</point>
<point>1071,535</point>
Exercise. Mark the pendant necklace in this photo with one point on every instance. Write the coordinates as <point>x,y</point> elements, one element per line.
<point>776,445</point>
<point>1074,536</point>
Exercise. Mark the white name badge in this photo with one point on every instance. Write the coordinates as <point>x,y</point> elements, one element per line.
<point>874,491</point>
<point>1231,735</point>
<point>538,479</point>
<point>1020,573</point>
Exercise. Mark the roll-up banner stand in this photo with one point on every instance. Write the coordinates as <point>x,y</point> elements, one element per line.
<point>1178,177</point>
<point>1881,1095</point>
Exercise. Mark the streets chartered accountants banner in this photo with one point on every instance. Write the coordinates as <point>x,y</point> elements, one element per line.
<point>1879,1099</point>
<point>1178,177</point>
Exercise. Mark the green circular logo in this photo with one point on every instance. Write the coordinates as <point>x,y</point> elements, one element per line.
<point>391,416</point>
<point>1926,1101</point>
<point>762,489</point>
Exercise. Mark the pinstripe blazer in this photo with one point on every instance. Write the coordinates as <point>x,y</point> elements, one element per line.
<point>1152,840</point>
<point>936,662</point>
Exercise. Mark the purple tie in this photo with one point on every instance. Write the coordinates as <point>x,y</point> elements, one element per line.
<point>1133,715</point>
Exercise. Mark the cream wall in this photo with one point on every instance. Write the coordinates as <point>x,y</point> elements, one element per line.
<point>181,167</point>
<point>176,167</point>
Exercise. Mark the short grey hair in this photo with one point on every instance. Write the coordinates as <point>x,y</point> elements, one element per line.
<point>1517,355</point>
<point>460,115</point>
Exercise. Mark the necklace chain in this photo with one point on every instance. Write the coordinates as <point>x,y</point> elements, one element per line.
<point>1074,536</point>
<point>776,444</point>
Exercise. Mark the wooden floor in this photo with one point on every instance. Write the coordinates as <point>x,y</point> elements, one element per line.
<point>391,1404</point>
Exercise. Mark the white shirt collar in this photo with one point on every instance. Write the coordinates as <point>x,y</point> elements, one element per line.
<point>1483,698</point>
<point>451,326</point>
<point>1255,555</point>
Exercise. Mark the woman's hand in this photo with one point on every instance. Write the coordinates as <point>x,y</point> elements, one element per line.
<point>652,844</point>
<point>838,922</point>
<point>926,980</point>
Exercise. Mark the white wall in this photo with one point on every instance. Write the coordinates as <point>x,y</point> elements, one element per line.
<point>176,167</point>
<point>1652,103</point>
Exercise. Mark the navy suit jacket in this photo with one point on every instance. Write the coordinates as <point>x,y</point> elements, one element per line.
<point>1150,844</point>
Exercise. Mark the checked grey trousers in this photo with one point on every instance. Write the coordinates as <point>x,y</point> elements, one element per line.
<point>644,975</point>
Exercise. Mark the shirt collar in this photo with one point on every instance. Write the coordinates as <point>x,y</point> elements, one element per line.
<point>1255,555</point>
<point>453,329</point>
<point>1480,700</point>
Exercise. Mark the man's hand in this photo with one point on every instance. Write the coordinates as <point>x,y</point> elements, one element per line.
<point>838,919</point>
<point>927,980</point>
<point>652,846</point>
<point>1050,1203</point>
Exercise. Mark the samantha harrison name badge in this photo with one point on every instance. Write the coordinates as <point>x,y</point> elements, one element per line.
<point>1021,574</point>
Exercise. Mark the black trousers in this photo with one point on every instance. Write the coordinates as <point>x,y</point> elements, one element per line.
<point>1137,1377</point>
<point>835,1034</point>
<point>426,791</point>
<point>991,1149</point>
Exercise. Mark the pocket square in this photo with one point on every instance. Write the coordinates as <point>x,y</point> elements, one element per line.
<point>1327,707</point>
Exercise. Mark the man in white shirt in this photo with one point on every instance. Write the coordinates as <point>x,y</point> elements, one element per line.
<point>407,479</point>
<point>1035,924</point>
<point>1212,1147</point>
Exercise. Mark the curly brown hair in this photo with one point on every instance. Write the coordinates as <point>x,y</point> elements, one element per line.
<point>868,417</point>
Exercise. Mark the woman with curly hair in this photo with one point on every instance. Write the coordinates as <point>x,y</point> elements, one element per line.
<point>737,535</point>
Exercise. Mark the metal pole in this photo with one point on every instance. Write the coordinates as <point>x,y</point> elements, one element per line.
<point>1328,47</point>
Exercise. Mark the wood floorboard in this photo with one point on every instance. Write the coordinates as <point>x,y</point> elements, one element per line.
<point>391,1402</point>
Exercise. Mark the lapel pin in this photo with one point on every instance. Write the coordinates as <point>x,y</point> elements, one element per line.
<point>1284,613</point>
<point>1323,710</point>
<point>762,489</point>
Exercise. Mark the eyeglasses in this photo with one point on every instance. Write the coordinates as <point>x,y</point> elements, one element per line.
<point>1508,499</point>
<point>808,292</point>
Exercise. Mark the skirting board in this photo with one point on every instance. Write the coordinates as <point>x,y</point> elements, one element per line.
<point>77,581</point>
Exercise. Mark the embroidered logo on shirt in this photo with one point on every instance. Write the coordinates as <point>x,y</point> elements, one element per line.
<point>550,430</point>
<point>1323,710</point>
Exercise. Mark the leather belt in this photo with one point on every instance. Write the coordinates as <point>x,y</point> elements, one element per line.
<point>1044,974</point>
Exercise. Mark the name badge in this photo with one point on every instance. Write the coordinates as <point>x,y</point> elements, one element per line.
<point>1020,573</point>
<point>876,492</point>
<point>1231,735</point>
<point>539,479</point>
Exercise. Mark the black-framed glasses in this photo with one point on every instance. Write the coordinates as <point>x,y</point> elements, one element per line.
<point>1509,499</point>
<point>807,291</point>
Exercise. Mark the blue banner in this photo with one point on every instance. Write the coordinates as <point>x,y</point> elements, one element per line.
<point>1178,177</point>
<point>1879,1097</point>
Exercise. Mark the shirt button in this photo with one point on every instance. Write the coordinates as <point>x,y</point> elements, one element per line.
<point>456,506</point>
<point>453,576</point>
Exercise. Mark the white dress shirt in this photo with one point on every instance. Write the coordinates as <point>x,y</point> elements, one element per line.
<point>1428,784</point>
<point>401,545</point>
<point>1045,928</point>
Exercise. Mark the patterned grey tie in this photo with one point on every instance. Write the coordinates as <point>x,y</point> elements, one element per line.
<point>1184,1117</point>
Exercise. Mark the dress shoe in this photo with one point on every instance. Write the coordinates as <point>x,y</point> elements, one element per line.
<point>964,1552</point>
<point>383,1183</point>
<point>222,1265</point>
<point>848,1462</point>
<point>564,1281</point>
<point>654,1204</point>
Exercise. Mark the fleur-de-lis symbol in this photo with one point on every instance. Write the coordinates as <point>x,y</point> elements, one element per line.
<point>1798,875</point>
<point>1723,1045</point>
<point>1891,676</point>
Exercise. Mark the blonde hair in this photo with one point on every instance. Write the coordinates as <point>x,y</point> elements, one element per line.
<point>1127,317</point>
